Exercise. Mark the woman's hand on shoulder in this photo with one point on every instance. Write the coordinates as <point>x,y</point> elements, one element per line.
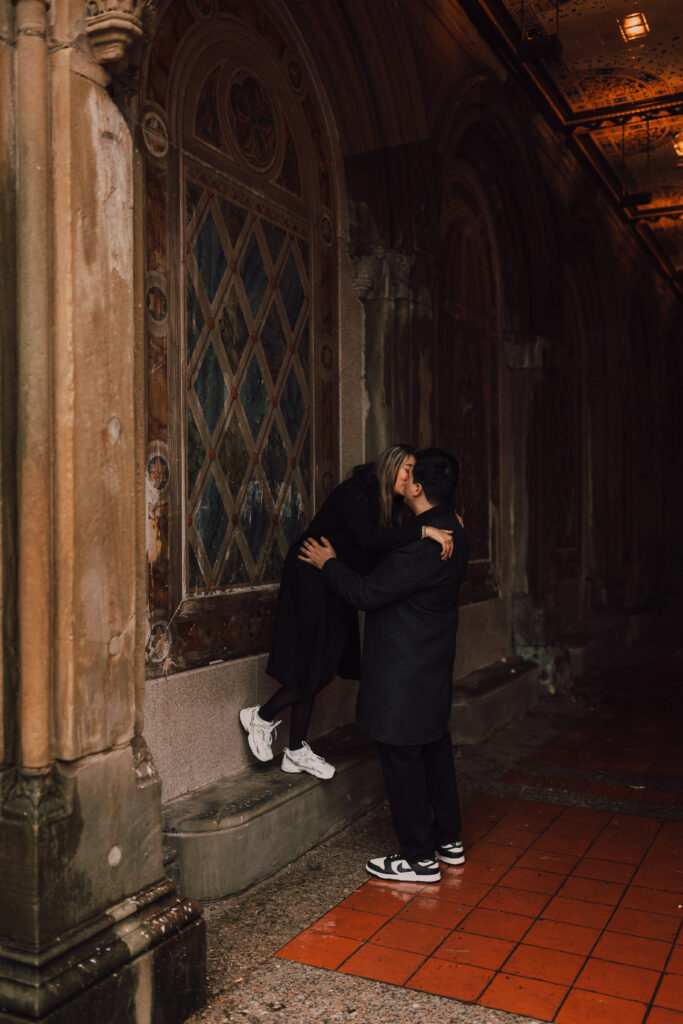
<point>442,537</point>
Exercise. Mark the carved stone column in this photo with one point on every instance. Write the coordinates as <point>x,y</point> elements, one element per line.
<point>90,927</point>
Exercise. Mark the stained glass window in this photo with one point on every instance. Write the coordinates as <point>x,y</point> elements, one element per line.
<point>247,416</point>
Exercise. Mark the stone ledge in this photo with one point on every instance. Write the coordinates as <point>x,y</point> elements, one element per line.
<point>221,838</point>
<point>485,700</point>
<point>223,835</point>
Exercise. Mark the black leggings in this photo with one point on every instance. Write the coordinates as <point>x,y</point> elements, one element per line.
<point>302,709</point>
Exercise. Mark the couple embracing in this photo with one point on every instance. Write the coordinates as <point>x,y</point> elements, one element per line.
<point>410,597</point>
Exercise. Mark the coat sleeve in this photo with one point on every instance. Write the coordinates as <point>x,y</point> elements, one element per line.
<point>399,574</point>
<point>358,517</point>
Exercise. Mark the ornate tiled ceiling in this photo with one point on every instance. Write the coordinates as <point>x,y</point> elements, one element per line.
<point>621,99</point>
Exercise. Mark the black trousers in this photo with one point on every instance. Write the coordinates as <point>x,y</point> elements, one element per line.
<point>423,795</point>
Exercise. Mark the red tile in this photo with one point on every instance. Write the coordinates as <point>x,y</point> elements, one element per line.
<point>352,924</point>
<point>478,950</point>
<point>382,964</point>
<point>425,910</point>
<point>592,890</point>
<point>675,964</point>
<point>479,871</point>
<point>545,860</point>
<point>376,900</point>
<point>594,915</point>
<point>660,878</point>
<point>492,853</point>
<point>490,807</point>
<point>544,964</point>
<point>532,881</point>
<point>454,887</point>
<point>670,992</point>
<point>672,828</point>
<point>663,860</point>
<point>569,938</point>
<point>638,922</point>
<point>612,850</point>
<point>496,924</point>
<point>410,936</point>
<point>626,836</point>
<point>621,980</point>
<point>551,842</point>
<point>411,888</point>
<point>318,950</point>
<point>531,818</point>
<point>455,980</point>
<point>660,1016</point>
<point>511,837</point>
<point>635,822</point>
<point>525,996</point>
<point>604,870</point>
<point>582,817</point>
<point>513,901</point>
<point>639,898</point>
<point>594,1008</point>
<point>632,949</point>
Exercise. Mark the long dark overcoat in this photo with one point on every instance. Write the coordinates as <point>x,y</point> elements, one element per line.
<point>315,633</point>
<point>411,601</point>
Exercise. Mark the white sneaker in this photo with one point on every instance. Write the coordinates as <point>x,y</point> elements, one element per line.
<point>396,869</point>
<point>259,732</point>
<point>304,760</point>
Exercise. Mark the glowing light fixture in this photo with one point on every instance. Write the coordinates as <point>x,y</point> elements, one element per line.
<point>633,26</point>
<point>678,144</point>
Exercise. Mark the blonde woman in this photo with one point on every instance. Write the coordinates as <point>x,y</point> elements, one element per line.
<point>315,634</point>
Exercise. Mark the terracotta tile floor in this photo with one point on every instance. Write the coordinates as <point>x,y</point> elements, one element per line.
<point>563,913</point>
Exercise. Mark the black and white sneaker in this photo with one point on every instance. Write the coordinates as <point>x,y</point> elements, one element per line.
<point>451,853</point>
<point>396,869</point>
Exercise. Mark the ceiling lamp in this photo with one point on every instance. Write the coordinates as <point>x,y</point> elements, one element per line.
<point>633,26</point>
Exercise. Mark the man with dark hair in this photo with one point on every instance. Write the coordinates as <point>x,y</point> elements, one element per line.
<point>404,699</point>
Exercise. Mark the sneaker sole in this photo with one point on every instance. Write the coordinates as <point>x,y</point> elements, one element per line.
<point>294,769</point>
<point>403,877</point>
<point>244,722</point>
<point>451,860</point>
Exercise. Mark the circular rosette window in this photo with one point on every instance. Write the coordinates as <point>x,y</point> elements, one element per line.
<point>253,122</point>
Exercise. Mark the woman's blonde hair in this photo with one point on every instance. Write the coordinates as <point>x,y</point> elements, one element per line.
<point>386,468</point>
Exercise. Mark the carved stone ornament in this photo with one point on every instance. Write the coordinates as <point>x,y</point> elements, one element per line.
<point>112,27</point>
<point>37,797</point>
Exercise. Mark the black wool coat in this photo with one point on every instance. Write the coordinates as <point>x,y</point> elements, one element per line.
<point>411,601</point>
<point>315,633</point>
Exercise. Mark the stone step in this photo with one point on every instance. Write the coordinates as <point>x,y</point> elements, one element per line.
<point>244,827</point>
<point>485,700</point>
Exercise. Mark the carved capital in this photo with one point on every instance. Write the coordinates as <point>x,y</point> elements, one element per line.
<point>36,797</point>
<point>112,27</point>
<point>368,268</point>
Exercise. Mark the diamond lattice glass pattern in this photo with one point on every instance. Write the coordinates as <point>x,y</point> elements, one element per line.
<point>248,455</point>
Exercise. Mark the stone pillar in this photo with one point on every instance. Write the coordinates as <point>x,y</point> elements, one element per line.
<point>90,927</point>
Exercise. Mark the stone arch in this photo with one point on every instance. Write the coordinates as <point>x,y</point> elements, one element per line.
<point>486,171</point>
<point>467,368</point>
<point>592,301</point>
<point>243,220</point>
<point>367,63</point>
